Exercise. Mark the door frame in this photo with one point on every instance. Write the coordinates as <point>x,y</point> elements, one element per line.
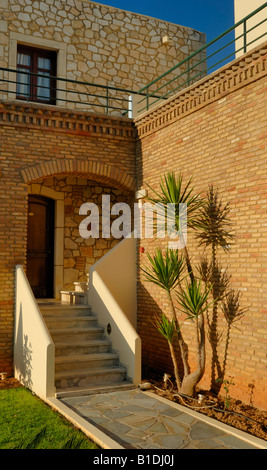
<point>58,197</point>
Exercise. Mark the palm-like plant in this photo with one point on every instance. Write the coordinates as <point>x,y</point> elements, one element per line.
<point>193,299</point>
<point>167,271</point>
<point>167,329</point>
<point>172,191</point>
<point>169,198</point>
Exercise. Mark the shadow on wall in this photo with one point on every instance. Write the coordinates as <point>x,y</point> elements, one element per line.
<point>156,360</point>
<point>23,365</point>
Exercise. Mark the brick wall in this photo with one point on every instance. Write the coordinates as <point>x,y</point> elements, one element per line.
<point>216,133</point>
<point>38,144</point>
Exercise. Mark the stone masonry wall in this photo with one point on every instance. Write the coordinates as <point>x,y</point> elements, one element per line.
<point>217,135</point>
<point>81,253</point>
<point>97,43</point>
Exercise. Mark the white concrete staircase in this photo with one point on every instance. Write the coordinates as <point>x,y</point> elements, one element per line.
<point>84,360</point>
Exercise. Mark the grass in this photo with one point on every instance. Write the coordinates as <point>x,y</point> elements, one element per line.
<point>26,422</point>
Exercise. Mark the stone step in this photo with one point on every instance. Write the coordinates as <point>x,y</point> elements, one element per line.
<point>59,322</point>
<point>89,377</point>
<point>58,309</point>
<point>76,334</point>
<point>74,347</point>
<point>84,359</point>
<point>87,361</point>
<point>93,390</point>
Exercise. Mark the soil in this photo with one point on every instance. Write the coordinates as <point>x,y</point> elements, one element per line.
<point>238,415</point>
<point>10,382</point>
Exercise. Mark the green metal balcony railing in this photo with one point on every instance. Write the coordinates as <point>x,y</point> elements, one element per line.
<point>207,59</point>
<point>65,92</point>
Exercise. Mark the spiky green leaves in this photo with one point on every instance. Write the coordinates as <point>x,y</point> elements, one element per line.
<point>193,299</point>
<point>166,271</point>
<point>165,327</point>
<point>173,191</point>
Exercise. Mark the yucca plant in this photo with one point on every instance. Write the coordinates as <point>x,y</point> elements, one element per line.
<point>167,329</point>
<point>173,191</point>
<point>167,270</point>
<point>171,194</point>
<point>193,301</point>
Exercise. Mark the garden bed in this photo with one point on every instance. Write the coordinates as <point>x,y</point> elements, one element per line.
<point>237,414</point>
<point>9,383</point>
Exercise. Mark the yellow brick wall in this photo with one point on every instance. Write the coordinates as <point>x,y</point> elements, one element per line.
<point>222,142</point>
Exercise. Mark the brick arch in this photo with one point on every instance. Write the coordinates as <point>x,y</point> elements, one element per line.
<point>102,172</point>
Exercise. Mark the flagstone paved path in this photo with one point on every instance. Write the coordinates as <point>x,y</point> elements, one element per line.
<point>140,420</point>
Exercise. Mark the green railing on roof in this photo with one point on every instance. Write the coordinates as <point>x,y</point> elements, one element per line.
<point>200,63</point>
<point>77,94</point>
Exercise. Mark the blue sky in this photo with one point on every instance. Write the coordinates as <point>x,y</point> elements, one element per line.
<point>212,17</point>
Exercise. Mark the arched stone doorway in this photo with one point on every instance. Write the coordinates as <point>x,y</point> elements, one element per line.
<point>73,255</point>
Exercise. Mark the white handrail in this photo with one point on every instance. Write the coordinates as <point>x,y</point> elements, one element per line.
<point>112,297</point>
<point>34,350</point>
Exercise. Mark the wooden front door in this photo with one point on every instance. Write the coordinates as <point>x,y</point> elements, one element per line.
<point>40,246</point>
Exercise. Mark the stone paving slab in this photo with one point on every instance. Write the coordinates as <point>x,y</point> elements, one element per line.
<point>142,420</point>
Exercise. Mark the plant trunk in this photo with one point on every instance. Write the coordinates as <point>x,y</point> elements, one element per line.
<point>181,343</point>
<point>190,381</point>
<point>175,366</point>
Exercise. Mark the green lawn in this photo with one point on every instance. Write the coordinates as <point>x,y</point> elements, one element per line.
<point>28,422</point>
